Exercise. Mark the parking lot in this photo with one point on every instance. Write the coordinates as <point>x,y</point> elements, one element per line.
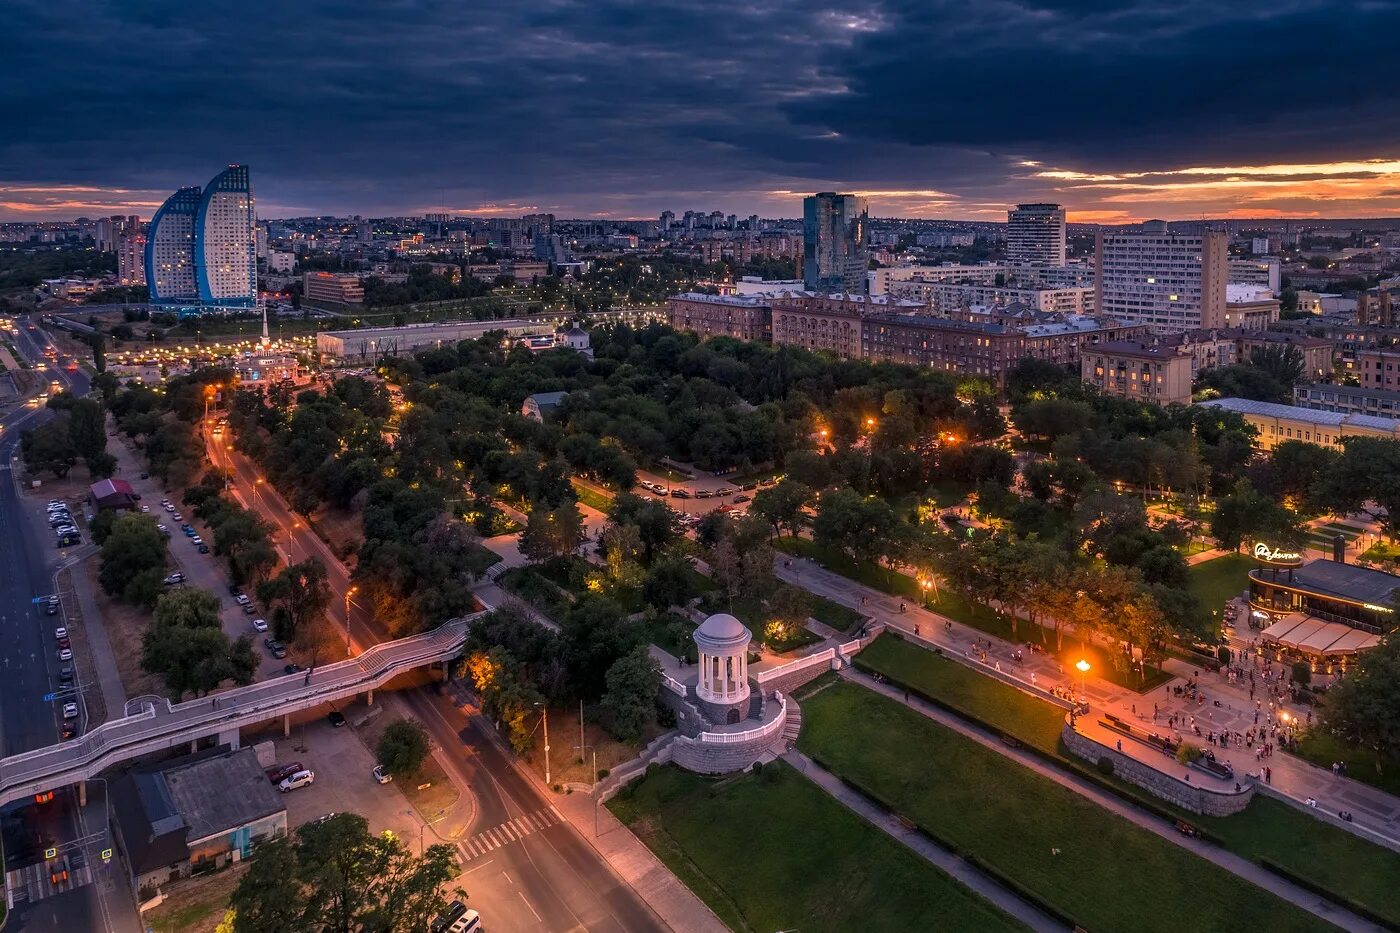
<point>694,499</point>
<point>205,571</point>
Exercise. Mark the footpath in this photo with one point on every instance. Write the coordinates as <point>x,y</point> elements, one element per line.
<point>1376,814</point>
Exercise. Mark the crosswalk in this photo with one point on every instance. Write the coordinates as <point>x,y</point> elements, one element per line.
<point>509,832</point>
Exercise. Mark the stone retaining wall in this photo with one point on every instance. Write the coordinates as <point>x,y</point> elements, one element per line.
<point>786,681</point>
<point>715,758</point>
<point>1186,795</point>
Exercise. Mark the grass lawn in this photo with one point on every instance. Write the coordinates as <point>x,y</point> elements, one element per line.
<point>839,617</point>
<point>1095,866</point>
<point>672,634</point>
<point>1220,580</point>
<point>591,497</point>
<point>775,852</point>
<point>1382,551</point>
<point>1363,764</point>
<point>1267,829</point>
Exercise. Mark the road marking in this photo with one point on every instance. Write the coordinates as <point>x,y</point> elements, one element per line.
<point>509,832</point>
<point>538,918</point>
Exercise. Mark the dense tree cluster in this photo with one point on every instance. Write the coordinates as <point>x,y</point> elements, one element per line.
<point>79,432</point>
<point>186,645</point>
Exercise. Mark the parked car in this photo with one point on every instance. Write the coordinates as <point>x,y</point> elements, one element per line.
<point>241,599</point>
<point>260,625</point>
<point>381,776</point>
<point>64,643</point>
<point>70,710</point>
<point>69,730</point>
<point>174,578</point>
<point>277,649</point>
<point>725,491</point>
<point>337,718</point>
<point>703,494</point>
<point>279,773</point>
<point>680,494</point>
<point>249,609</point>
<point>65,654</point>
<point>65,675</point>
<point>300,779</point>
<point>292,668</point>
<point>145,510</point>
<point>741,499</point>
<point>196,540</point>
<point>145,475</point>
<point>203,549</point>
<point>749,487</point>
<point>736,513</point>
<point>51,606</point>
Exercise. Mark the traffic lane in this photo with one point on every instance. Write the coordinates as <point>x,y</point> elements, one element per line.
<point>555,871</point>
<point>27,652</point>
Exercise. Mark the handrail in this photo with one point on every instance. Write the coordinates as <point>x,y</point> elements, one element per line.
<point>797,664</point>
<point>763,731</point>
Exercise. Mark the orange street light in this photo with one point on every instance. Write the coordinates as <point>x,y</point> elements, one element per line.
<point>1083,667</point>
<point>870,423</point>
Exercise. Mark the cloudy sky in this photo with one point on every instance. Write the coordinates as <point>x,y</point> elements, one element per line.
<point>933,108</point>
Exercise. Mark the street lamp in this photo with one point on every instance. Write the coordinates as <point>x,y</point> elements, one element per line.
<point>348,593</point>
<point>593,781</point>
<point>544,710</point>
<point>1083,667</point>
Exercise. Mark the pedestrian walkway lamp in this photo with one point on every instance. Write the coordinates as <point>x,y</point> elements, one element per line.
<point>348,594</point>
<point>1083,667</point>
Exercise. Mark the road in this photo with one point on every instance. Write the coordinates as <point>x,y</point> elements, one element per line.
<point>550,879</point>
<point>95,898</point>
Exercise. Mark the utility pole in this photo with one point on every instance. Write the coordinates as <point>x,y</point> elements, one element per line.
<point>593,782</point>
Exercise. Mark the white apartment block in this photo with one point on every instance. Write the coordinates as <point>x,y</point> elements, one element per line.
<point>1171,282</point>
<point>1266,272</point>
<point>945,297</point>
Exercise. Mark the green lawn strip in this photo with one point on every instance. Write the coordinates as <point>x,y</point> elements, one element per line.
<point>1336,863</point>
<point>839,617</point>
<point>1091,865</point>
<point>591,497</point>
<point>1382,551</point>
<point>775,852</point>
<point>1219,580</point>
<point>1363,764</point>
<point>1351,531</point>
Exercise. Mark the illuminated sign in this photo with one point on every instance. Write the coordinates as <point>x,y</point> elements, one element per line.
<point>1374,608</point>
<point>1272,555</point>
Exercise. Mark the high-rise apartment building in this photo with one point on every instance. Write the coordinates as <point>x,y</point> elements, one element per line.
<point>835,242</point>
<point>1035,235</point>
<point>201,251</point>
<point>131,259</point>
<point>1169,281</point>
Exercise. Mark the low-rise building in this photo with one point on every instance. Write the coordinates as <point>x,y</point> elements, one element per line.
<point>947,297</point>
<point>204,811</point>
<point>537,406</point>
<point>337,287</point>
<point>742,317</point>
<point>1379,367</point>
<point>281,261</point>
<point>1349,400</point>
<point>1250,307</point>
<point>1278,423</point>
<point>1157,372</point>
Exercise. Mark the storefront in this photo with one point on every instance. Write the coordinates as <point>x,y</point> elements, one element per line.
<point>1322,611</point>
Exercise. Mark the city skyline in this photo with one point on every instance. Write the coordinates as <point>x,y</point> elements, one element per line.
<point>607,110</point>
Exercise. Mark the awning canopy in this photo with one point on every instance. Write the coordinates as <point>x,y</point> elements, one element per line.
<point>1314,636</point>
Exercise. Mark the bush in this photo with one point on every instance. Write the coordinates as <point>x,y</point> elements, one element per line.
<point>1187,753</point>
<point>403,747</point>
<point>1105,765</point>
<point>1302,672</point>
<point>1223,653</point>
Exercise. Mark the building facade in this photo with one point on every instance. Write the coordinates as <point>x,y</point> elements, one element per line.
<point>741,317</point>
<point>201,253</point>
<point>337,287</point>
<point>1250,307</point>
<point>835,242</point>
<point>1349,400</point>
<point>1170,281</point>
<point>1035,235</point>
<point>131,259</point>
<point>1143,371</point>
<point>1279,423</point>
<point>947,297</point>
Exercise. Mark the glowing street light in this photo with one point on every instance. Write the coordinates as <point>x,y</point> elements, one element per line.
<point>1083,667</point>
<point>348,593</point>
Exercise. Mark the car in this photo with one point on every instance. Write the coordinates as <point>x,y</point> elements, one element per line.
<point>168,507</point>
<point>300,779</point>
<point>680,494</point>
<point>725,491</point>
<point>136,496</point>
<point>749,487</point>
<point>164,503</point>
<point>174,578</point>
<point>279,773</point>
<point>234,590</point>
<point>70,710</point>
<point>735,513</point>
<point>61,632</point>
<point>145,510</point>
<point>381,776</point>
<point>658,491</point>
<point>65,654</point>
<point>196,540</point>
<point>242,599</point>
<point>250,610</point>
<point>64,643</point>
<point>177,516</point>
<point>68,731</point>
<point>68,540</point>
<point>260,625</point>
<point>51,607</point>
<point>66,530</point>
<point>54,502</point>
<point>189,532</point>
<point>770,481</point>
<point>65,675</point>
<point>336,718</point>
<point>57,520</point>
<point>741,499</point>
<point>703,494</point>
<point>163,530</point>
<point>292,668</point>
<point>145,475</point>
<point>203,549</point>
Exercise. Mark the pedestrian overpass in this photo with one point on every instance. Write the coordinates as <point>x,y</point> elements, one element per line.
<point>162,725</point>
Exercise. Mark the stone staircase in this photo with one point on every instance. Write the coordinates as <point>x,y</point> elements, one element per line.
<point>657,752</point>
<point>793,726</point>
<point>756,706</point>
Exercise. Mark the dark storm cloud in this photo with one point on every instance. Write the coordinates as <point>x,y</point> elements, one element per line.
<point>627,107</point>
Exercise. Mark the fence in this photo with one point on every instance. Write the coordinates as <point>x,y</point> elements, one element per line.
<point>749,735</point>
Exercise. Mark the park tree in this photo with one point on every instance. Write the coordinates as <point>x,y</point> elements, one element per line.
<point>508,696</point>
<point>1366,478</point>
<point>1247,513</point>
<point>133,560</point>
<point>633,683</point>
<point>852,523</point>
<point>781,505</point>
<point>186,645</point>
<point>402,747</point>
<point>49,448</point>
<point>87,428</point>
<point>654,521</point>
<point>1364,706</point>
<point>299,594</point>
<point>1295,472</point>
<point>551,534</point>
<point>336,876</point>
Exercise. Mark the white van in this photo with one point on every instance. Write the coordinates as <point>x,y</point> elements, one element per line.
<point>458,918</point>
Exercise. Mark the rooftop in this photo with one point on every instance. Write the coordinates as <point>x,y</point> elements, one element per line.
<point>1342,391</point>
<point>221,793</point>
<point>1347,581</point>
<point>1246,406</point>
<point>1136,348</point>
